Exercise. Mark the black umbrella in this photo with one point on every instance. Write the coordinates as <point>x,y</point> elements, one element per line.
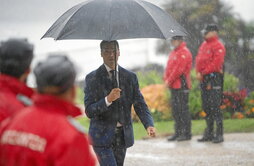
<point>113,20</point>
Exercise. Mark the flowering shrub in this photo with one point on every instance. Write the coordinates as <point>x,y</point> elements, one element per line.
<point>202,114</point>
<point>157,100</point>
<point>233,104</point>
<point>238,115</point>
<point>249,106</point>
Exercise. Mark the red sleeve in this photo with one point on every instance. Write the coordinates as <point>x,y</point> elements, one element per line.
<point>217,62</point>
<point>177,69</point>
<point>78,153</point>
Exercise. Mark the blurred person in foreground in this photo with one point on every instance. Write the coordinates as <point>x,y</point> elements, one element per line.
<point>15,59</point>
<point>109,107</point>
<point>177,79</point>
<point>46,134</point>
<point>209,68</point>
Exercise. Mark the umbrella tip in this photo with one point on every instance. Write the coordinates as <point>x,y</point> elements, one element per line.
<point>42,37</point>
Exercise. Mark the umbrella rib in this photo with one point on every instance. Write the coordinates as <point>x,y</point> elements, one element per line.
<point>164,36</point>
<point>82,5</point>
<point>144,8</point>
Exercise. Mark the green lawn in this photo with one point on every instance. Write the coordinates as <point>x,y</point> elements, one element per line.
<point>167,127</point>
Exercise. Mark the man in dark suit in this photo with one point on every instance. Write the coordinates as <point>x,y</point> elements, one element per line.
<point>109,108</point>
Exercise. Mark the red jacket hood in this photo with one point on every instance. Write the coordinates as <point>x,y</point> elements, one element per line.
<point>12,84</point>
<point>52,103</point>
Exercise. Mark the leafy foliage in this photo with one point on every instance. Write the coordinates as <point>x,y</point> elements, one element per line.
<point>195,104</point>
<point>149,78</point>
<point>79,96</point>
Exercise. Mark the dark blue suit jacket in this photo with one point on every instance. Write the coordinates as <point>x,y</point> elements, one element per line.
<point>104,119</point>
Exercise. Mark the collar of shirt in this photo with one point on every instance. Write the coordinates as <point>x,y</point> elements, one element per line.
<point>54,104</point>
<point>110,75</point>
<point>109,69</point>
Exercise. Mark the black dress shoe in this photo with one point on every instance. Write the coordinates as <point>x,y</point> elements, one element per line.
<point>184,138</point>
<point>205,139</point>
<point>172,138</point>
<point>218,139</point>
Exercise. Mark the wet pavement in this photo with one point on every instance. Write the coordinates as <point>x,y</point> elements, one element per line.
<point>236,150</point>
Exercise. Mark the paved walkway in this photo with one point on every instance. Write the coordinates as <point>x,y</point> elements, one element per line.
<point>237,150</point>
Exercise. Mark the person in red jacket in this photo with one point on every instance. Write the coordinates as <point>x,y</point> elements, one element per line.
<point>15,60</point>
<point>177,78</point>
<point>209,67</point>
<point>46,134</point>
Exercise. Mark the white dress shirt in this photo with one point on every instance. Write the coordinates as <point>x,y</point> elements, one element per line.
<point>117,78</point>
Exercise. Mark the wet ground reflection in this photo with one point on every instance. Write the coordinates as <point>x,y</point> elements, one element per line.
<point>238,149</point>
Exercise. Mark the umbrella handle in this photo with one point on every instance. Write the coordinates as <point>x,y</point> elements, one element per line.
<point>115,75</point>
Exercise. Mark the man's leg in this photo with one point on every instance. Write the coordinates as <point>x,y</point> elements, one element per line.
<point>219,127</point>
<point>118,146</point>
<point>206,104</point>
<point>175,102</point>
<point>105,156</point>
<point>209,131</point>
<point>210,118</point>
<point>185,117</point>
<point>218,116</point>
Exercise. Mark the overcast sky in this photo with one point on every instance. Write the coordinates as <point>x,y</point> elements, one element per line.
<point>49,10</point>
<point>243,7</point>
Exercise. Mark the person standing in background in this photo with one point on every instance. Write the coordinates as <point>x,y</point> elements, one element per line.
<point>209,68</point>
<point>177,79</point>
<point>15,59</point>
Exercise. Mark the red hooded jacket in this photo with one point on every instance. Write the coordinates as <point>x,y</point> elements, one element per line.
<point>14,95</point>
<point>179,63</point>
<point>210,56</point>
<point>45,134</point>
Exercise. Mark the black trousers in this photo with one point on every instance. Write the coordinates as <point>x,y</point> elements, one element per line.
<point>114,155</point>
<point>180,111</point>
<point>211,93</point>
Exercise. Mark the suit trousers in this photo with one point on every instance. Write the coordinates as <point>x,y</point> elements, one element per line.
<point>211,93</point>
<point>115,154</point>
<point>180,110</point>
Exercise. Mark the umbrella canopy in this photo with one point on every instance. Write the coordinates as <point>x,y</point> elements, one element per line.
<point>113,20</point>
